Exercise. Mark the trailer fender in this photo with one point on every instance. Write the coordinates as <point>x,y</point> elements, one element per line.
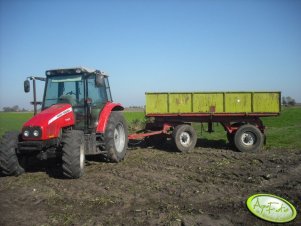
<point>105,115</point>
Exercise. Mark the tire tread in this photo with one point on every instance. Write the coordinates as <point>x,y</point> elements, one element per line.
<point>71,141</point>
<point>9,164</point>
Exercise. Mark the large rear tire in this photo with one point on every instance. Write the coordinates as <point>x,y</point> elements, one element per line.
<point>116,137</point>
<point>184,138</point>
<point>248,138</point>
<point>9,164</point>
<point>73,159</point>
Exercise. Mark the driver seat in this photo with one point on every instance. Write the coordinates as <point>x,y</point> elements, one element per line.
<point>68,99</point>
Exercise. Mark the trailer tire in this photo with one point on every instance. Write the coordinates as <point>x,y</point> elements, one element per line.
<point>184,138</point>
<point>9,164</point>
<point>248,138</point>
<point>116,137</point>
<point>230,136</point>
<point>73,158</point>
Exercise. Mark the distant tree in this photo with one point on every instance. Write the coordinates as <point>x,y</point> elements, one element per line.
<point>288,101</point>
<point>6,109</point>
<point>15,108</point>
<point>284,101</point>
<point>11,109</point>
<point>292,102</point>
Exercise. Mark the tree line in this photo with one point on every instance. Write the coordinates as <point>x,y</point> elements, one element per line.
<point>288,101</point>
<point>14,109</point>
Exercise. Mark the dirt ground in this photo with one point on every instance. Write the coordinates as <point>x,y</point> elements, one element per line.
<point>208,186</point>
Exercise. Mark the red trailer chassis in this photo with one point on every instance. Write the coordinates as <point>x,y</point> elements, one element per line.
<point>244,130</point>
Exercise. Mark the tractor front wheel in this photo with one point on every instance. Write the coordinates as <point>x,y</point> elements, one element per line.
<point>9,164</point>
<point>73,154</point>
<point>116,137</point>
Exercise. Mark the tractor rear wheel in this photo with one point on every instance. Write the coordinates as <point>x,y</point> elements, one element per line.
<point>9,164</point>
<point>116,137</point>
<point>73,154</point>
<point>184,138</point>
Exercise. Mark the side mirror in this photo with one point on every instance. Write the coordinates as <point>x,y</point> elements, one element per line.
<point>26,86</point>
<point>99,80</point>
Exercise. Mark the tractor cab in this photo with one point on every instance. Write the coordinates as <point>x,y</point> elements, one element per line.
<point>86,90</point>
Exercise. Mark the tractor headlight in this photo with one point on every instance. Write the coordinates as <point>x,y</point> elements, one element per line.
<point>26,133</point>
<point>36,133</point>
<point>32,132</point>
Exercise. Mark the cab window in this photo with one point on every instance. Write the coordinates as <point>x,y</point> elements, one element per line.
<point>97,95</point>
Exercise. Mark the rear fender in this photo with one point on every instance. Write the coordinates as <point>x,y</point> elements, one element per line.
<point>105,115</point>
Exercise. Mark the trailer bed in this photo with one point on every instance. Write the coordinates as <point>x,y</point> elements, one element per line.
<point>213,103</point>
<point>171,115</point>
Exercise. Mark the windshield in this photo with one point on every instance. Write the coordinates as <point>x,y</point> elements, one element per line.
<point>64,89</point>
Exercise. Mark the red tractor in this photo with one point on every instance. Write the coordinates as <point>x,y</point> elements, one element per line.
<point>78,118</point>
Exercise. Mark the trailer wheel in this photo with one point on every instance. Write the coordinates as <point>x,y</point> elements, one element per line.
<point>248,138</point>
<point>184,138</point>
<point>73,154</point>
<point>116,137</point>
<point>9,164</point>
<point>230,136</point>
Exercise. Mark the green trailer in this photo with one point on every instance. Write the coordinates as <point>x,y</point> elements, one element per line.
<point>173,113</point>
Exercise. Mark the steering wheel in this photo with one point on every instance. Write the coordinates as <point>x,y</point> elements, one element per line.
<point>70,93</point>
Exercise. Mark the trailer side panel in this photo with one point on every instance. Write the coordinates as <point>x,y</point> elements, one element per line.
<point>213,102</point>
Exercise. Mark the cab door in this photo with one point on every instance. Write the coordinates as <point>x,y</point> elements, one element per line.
<point>96,99</point>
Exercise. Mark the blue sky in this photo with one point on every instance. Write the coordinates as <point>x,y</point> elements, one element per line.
<point>213,45</point>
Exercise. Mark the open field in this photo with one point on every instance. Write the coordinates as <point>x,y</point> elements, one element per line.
<point>12,121</point>
<point>208,186</point>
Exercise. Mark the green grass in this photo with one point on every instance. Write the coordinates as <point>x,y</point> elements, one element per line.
<point>12,121</point>
<point>133,116</point>
<point>282,132</point>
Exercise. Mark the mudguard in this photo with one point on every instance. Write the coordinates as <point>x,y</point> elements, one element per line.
<point>105,115</point>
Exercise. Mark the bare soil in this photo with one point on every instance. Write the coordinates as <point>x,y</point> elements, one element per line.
<point>208,186</point>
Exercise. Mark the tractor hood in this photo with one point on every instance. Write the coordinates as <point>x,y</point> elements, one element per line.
<point>48,123</point>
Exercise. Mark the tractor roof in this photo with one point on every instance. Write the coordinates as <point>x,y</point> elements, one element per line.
<point>72,71</point>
